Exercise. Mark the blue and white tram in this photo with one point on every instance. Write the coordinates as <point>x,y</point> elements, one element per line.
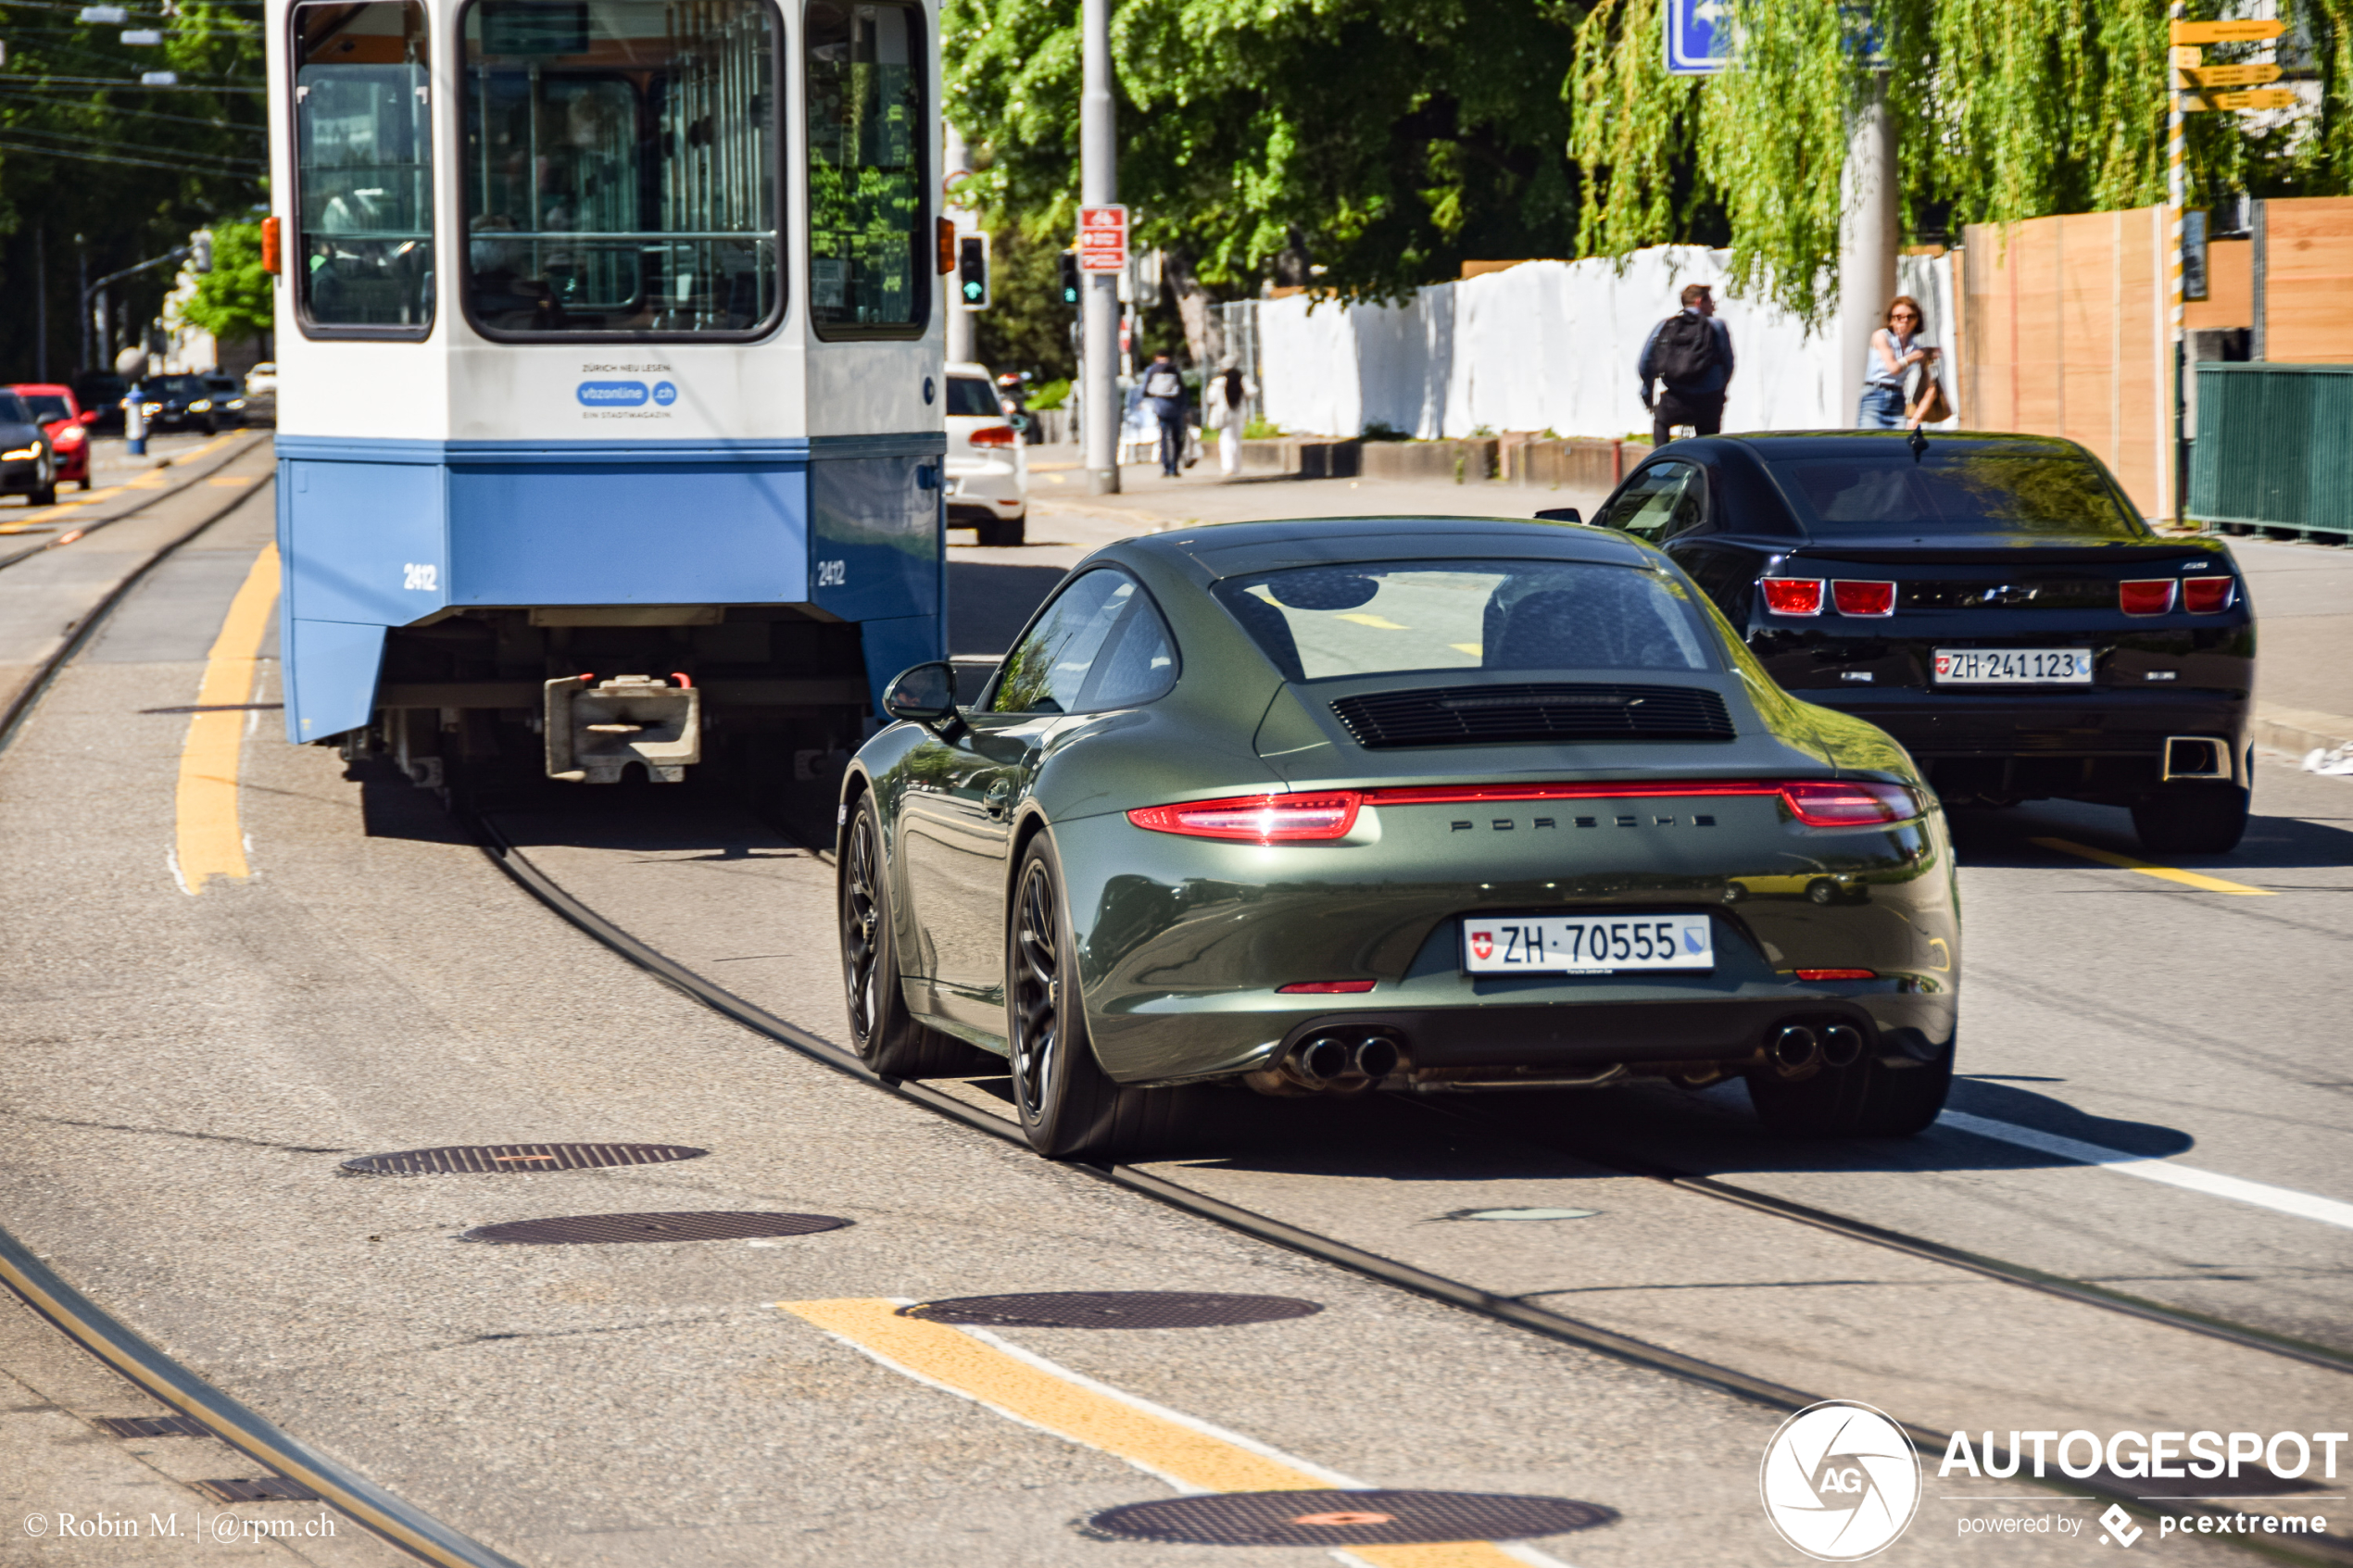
<point>609,357</point>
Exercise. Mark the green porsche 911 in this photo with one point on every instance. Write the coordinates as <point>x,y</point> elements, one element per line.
<point>1413,804</point>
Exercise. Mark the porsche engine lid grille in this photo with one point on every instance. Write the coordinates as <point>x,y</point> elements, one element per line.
<point>1532,711</point>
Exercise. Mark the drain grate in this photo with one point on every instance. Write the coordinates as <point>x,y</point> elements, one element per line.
<point>1336,1518</point>
<point>152,1426</point>
<point>692,1225</point>
<point>266,1489</point>
<point>495,1158</point>
<point>1112,1308</point>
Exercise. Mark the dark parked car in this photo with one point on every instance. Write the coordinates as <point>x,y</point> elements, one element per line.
<point>182,403</point>
<point>101,393</point>
<point>28,463</point>
<point>1428,805</point>
<point>1994,602</point>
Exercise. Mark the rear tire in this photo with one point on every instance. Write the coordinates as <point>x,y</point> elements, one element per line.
<point>1002,533</point>
<point>1070,1108</point>
<point>886,1034</point>
<point>1869,1099</point>
<point>44,496</point>
<point>2191,818</point>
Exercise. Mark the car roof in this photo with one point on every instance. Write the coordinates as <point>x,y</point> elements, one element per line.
<point>1230,549</point>
<point>1836,442</point>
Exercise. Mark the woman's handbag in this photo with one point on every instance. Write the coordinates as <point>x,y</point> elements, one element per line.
<point>1924,401</point>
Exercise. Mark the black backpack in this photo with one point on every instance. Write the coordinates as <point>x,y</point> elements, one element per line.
<point>1686,349</point>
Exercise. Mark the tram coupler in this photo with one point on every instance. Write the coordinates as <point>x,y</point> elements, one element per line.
<point>596,729</point>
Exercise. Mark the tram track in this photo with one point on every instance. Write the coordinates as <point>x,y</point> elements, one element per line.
<point>510,860</point>
<point>231,452</point>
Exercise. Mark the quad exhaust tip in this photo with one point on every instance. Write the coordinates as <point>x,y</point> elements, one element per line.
<point>1797,1051</point>
<point>1342,1060</point>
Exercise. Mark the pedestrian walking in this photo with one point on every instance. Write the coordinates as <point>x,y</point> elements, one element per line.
<point>1165,396</point>
<point>1888,363</point>
<point>1690,353</point>
<point>1225,405</point>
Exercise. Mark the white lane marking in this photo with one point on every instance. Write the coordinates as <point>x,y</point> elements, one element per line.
<point>2263,1194</point>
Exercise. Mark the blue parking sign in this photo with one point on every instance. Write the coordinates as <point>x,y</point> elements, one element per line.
<point>1699,37</point>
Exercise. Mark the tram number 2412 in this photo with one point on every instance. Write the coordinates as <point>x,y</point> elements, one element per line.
<point>422,577</point>
<point>832,573</point>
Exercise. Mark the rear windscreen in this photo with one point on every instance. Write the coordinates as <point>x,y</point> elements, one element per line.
<point>1320,622</point>
<point>970,397</point>
<point>1952,488</point>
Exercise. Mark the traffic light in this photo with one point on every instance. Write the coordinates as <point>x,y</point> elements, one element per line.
<point>200,254</point>
<point>1070,278</point>
<point>972,271</point>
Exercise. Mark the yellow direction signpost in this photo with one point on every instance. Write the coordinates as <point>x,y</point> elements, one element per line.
<point>2226,32</point>
<point>2229,76</point>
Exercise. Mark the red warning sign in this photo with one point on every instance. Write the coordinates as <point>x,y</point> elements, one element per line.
<point>1102,239</point>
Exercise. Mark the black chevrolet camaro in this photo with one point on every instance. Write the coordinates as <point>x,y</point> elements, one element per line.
<point>1994,602</point>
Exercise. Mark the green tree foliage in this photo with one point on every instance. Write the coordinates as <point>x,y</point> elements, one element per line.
<point>233,300</point>
<point>86,150</point>
<point>1384,141</point>
<point>2006,109</point>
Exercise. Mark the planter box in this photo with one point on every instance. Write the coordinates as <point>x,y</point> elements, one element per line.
<point>1573,463</point>
<point>1441,462</point>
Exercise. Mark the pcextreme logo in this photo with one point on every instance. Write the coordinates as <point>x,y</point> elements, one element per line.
<point>1840,1481</point>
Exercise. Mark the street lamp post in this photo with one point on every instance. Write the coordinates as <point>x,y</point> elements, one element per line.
<point>1099,186</point>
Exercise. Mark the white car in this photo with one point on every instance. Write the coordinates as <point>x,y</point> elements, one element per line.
<point>988,466</point>
<point>262,379</point>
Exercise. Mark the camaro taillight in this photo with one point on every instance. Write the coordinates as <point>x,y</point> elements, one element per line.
<point>1847,803</point>
<point>2146,596</point>
<point>1864,598</point>
<point>2207,595</point>
<point>1258,819</point>
<point>1793,595</point>
<point>991,435</point>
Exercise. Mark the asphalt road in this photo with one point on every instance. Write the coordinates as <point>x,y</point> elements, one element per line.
<point>187,1069</point>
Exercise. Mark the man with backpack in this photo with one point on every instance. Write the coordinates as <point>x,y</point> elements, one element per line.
<point>1165,396</point>
<point>1691,352</point>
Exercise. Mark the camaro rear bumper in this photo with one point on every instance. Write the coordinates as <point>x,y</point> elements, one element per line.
<point>2094,721</point>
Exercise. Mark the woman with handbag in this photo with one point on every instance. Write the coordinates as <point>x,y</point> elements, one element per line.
<point>1890,362</point>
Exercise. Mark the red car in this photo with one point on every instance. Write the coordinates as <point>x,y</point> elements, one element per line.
<point>69,428</point>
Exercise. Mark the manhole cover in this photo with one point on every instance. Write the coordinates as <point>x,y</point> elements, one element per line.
<point>1370,1518</point>
<point>687,1226</point>
<point>267,1489</point>
<point>1112,1309</point>
<point>493,1159</point>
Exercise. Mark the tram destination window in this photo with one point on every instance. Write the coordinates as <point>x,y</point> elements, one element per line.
<point>870,249</point>
<point>621,169</point>
<point>363,170</point>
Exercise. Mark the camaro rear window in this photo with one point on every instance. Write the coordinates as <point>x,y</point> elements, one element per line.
<point>1954,489</point>
<point>1377,618</point>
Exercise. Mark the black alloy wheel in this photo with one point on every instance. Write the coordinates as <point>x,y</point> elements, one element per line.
<point>886,1034</point>
<point>44,487</point>
<point>2191,818</point>
<point>1069,1107</point>
<point>1867,1099</point>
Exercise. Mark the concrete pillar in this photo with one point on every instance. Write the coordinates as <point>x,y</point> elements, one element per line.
<point>1099,298</point>
<point>1870,234</point>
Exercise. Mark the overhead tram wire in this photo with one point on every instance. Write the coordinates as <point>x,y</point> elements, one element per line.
<point>183,167</point>
<point>83,103</point>
<point>224,162</point>
<point>135,86</point>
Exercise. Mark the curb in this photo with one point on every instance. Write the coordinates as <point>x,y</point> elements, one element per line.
<point>2298,731</point>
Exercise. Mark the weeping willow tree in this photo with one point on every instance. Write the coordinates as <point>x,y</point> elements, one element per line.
<point>2005,109</point>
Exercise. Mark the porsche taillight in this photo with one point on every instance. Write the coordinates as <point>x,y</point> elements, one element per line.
<point>2146,596</point>
<point>1257,819</point>
<point>2207,595</point>
<point>1864,598</point>
<point>1848,803</point>
<point>1792,595</point>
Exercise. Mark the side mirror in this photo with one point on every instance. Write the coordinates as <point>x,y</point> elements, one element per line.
<point>89,417</point>
<point>1560,514</point>
<point>925,695</point>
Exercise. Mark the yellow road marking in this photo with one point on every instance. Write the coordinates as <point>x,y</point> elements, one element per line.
<point>1374,621</point>
<point>154,479</point>
<point>1476,651</point>
<point>2169,873</point>
<point>230,481</point>
<point>210,843</point>
<point>1034,1392</point>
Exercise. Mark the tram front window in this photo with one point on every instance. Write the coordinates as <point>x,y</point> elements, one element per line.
<point>620,167</point>
<point>869,252</point>
<point>363,169</point>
